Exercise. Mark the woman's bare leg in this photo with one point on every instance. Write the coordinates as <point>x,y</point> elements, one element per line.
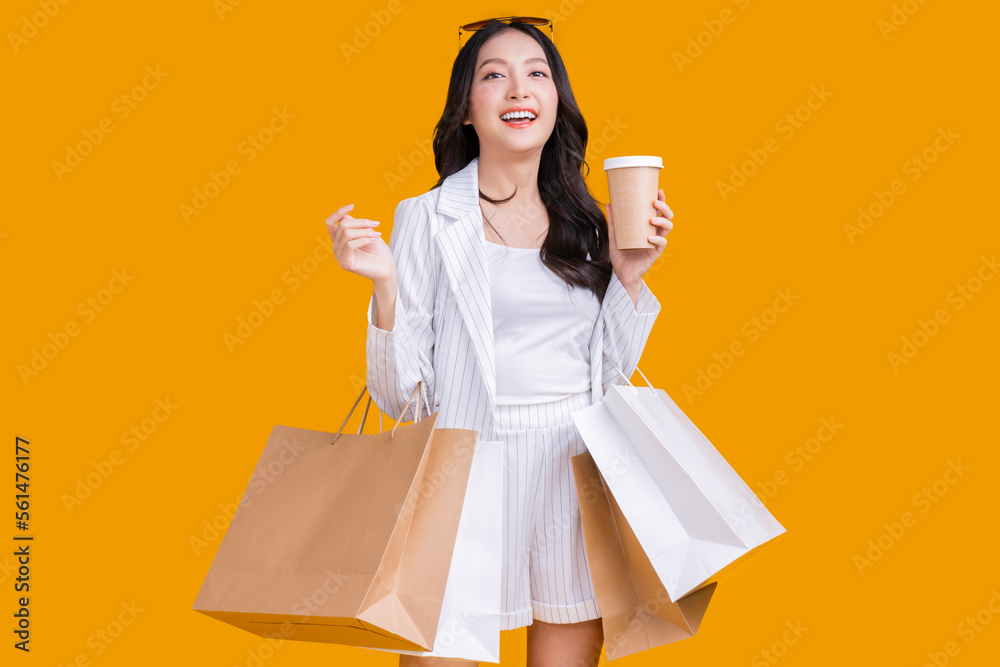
<point>421,661</point>
<point>565,644</point>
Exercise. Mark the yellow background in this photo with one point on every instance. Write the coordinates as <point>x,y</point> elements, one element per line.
<point>358,119</point>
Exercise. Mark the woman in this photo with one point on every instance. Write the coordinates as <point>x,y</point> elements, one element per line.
<point>502,290</point>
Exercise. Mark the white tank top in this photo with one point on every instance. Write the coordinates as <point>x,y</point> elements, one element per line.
<point>541,329</point>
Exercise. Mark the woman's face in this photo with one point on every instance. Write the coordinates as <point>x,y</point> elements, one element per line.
<point>524,79</point>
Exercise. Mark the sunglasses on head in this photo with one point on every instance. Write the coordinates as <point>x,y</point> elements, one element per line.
<point>530,20</point>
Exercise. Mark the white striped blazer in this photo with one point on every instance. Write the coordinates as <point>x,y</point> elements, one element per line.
<point>443,330</point>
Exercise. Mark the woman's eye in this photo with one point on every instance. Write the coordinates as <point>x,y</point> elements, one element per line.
<point>535,72</point>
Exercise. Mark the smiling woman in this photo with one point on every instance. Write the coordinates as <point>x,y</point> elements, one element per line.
<point>510,89</point>
<point>510,342</point>
<point>531,181</point>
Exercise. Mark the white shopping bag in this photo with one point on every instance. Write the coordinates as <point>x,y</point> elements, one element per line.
<point>469,627</point>
<point>691,512</point>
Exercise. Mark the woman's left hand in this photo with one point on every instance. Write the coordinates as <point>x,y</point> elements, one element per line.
<point>631,264</point>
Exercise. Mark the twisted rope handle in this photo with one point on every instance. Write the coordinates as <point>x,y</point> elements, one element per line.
<point>419,388</point>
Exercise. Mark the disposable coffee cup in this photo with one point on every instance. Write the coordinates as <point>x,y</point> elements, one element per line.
<point>633,184</point>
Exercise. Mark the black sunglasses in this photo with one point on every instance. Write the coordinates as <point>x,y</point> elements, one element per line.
<point>530,20</point>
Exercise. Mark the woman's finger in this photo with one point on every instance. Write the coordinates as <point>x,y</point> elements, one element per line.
<point>348,221</point>
<point>358,242</point>
<point>357,232</point>
<point>662,222</point>
<point>351,228</point>
<point>338,214</point>
<point>351,234</point>
<point>661,206</point>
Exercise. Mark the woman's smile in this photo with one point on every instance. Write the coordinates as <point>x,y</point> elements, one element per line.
<point>519,117</point>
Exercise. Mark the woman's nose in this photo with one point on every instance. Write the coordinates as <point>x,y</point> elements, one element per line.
<point>517,88</point>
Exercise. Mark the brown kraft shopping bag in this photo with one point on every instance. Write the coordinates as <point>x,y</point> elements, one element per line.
<point>636,612</point>
<point>344,538</point>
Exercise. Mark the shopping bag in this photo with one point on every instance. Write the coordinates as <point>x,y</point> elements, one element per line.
<point>470,614</point>
<point>337,540</point>
<point>691,512</point>
<point>636,612</point>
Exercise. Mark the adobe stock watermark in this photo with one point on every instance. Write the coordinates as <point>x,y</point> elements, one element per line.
<point>249,148</point>
<point>213,529</point>
<point>659,263</point>
<point>264,309</point>
<point>597,145</point>
<point>122,106</point>
<point>370,30</point>
<point>779,647</point>
<point>565,9</point>
<point>104,637</point>
<point>900,14</point>
<point>308,607</point>
<point>636,620</point>
<point>914,167</point>
<point>552,534</point>
<point>30,25</point>
<point>786,126</point>
<point>223,7</point>
<point>313,605</point>
<point>697,44</point>
<point>925,330</point>
<point>262,477</point>
<point>618,466</point>
<point>7,569</point>
<point>447,634</point>
<point>590,493</point>
<point>923,500</point>
<point>752,329</point>
<point>88,309</point>
<point>575,339</point>
<point>432,481</point>
<point>106,467</point>
<point>798,456</point>
<point>967,629</point>
<point>409,162</point>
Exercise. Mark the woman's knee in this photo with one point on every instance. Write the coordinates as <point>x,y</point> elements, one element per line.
<point>577,644</point>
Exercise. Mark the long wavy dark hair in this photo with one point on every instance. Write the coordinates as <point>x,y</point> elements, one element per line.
<point>576,219</point>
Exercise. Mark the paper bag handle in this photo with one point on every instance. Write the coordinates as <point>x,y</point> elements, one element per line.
<point>648,383</point>
<point>419,388</point>
<point>364,417</point>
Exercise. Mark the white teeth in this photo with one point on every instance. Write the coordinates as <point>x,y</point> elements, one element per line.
<point>518,114</point>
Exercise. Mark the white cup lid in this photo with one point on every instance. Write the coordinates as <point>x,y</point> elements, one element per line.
<point>633,161</point>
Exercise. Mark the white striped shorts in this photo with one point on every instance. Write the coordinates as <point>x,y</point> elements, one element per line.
<point>545,570</point>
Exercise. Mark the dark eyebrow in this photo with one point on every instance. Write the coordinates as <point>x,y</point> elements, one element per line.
<point>504,62</point>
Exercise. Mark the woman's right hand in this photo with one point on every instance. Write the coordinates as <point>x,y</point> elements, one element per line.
<point>358,248</point>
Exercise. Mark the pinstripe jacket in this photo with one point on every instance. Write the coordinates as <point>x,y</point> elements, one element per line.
<point>443,329</point>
